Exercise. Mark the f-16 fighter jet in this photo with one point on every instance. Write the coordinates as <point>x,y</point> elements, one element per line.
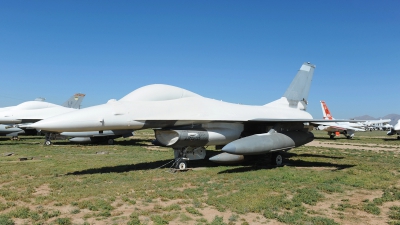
<point>187,122</point>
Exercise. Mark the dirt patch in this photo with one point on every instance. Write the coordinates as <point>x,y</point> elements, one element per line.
<point>42,190</point>
<point>155,148</point>
<point>345,208</point>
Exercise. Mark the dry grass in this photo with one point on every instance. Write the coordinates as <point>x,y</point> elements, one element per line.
<point>71,184</point>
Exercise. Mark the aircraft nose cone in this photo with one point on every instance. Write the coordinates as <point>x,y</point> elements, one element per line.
<point>80,120</point>
<point>47,125</point>
<point>229,148</point>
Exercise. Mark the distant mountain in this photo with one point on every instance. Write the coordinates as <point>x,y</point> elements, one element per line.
<point>394,118</point>
<point>365,117</point>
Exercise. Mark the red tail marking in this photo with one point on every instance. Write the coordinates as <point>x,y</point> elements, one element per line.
<point>327,112</point>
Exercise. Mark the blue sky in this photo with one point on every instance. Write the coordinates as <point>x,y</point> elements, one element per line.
<point>238,51</point>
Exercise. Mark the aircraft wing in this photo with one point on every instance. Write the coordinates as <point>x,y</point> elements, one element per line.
<point>339,126</point>
<point>371,122</point>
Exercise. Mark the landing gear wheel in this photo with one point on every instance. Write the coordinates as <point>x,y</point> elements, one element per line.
<point>181,165</point>
<point>349,137</point>
<point>332,136</point>
<point>398,137</point>
<point>47,142</point>
<point>110,141</point>
<point>277,159</point>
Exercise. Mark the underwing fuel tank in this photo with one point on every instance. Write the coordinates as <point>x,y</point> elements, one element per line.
<point>199,137</point>
<point>268,142</point>
<point>82,140</point>
<point>226,158</point>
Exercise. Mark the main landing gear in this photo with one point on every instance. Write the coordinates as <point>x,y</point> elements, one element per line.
<point>110,141</point>
<point>48,137</point>
<point>183,155</point>
<point>181,164</point>
<point>14,138</point>
<point>277,158</point>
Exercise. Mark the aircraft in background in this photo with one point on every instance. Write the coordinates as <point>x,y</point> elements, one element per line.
<point>31,111</point>
<point>107,136</point>
<point>337,128</point>
<point>10,131</point>
<point>346,128</point>
<point>382,125</point>
<point>395,130</point>
<point>188,122</point>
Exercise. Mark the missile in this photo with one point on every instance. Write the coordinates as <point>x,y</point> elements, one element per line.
<point>226,158</point>
<point>268,142</point>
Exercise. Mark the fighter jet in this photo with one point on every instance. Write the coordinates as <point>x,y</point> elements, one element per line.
<point>188,122</point>
<point>337,128</point>
<point>17,118</point>
<point>32,111</point>
<point>107,136</point>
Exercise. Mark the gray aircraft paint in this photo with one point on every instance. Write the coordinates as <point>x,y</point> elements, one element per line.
<point>169,108</point>
<point>96,136</point>
<point>33,111</point>
<point>10,131</point>
<point>125,133</point>
<point>75,101</point>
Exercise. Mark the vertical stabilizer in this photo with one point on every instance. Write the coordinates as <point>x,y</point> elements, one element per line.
<point>325,111</point>
<point>300,86</point>
<point>75,101</point>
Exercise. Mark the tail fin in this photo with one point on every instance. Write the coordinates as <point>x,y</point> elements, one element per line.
<point>297,94</point>
<point>325,111</point>
<point>75,101</point>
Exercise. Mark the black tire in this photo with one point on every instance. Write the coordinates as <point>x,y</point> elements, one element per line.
<point>277,159</point>
<point>110,141</point>
<point>47,142</point>
<point>332,136</point>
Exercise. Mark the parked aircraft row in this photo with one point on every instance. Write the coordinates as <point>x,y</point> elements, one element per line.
<point>188,122</point>
<point>345,128</point>
<point>17,120</point>
<point>395,130</point>
<point>14,119</point>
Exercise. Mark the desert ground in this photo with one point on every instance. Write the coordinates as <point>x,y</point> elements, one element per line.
<point>328,181</point>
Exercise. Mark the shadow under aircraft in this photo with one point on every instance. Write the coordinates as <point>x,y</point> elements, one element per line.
<point>256,163</point>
